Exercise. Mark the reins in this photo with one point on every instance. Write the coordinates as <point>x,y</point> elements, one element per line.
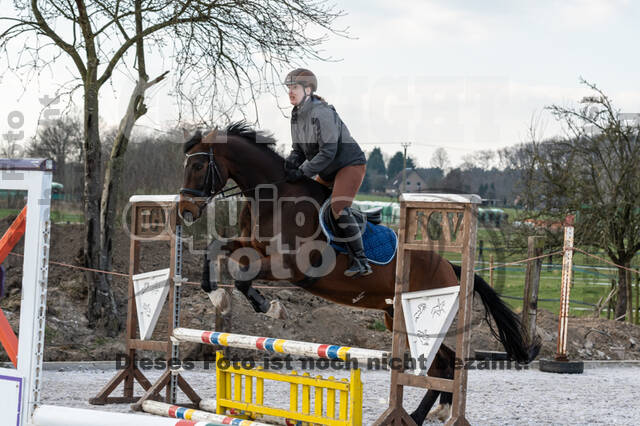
<point>209,183</point>
<point>246,190</point>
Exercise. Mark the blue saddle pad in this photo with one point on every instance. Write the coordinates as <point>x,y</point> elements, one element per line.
<point>380,242</point>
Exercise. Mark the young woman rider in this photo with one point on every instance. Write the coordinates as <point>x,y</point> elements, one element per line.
<point>324,148</point>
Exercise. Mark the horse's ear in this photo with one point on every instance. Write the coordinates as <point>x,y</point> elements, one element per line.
<point>185,134</point>
<point>211,137</point>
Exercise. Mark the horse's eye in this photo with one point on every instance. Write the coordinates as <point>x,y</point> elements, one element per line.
<point>197,167</point>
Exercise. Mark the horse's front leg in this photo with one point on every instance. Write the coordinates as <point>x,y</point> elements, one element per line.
<point>216,252</point>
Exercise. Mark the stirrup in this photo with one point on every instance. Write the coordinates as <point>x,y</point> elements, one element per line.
<point>358,268</point>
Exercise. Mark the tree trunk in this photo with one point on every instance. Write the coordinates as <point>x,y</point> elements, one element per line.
<point>113,175</point>
<point>102,311</point>
<point>623,297</point>
<point>60,169</point>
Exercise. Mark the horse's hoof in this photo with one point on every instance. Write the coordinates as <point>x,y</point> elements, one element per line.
<point>415,418</point>
<point>277,310</point>
<point>442,412</point>
<point>220,300</point>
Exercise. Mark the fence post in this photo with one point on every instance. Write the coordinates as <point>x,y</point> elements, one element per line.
<point>611,304</point>
<point>637,298</point>
<point>561,363</point>
<point>565,291</point>
<point>491,270</point>
<point>629,295</point>
<point>535,246</point>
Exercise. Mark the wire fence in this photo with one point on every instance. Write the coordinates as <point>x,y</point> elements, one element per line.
<point>504,266</point>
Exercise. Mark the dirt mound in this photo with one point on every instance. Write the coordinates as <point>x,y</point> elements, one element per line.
<point>68,337</point>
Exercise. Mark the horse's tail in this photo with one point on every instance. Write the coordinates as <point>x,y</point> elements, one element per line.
<point>510,332</point>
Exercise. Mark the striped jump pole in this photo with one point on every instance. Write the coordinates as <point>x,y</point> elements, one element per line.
<point>51,415</point>
<point>283,346</point>
<point>176,412</point>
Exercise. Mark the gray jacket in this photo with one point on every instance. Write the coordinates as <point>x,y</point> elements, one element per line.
<point>322,144</point>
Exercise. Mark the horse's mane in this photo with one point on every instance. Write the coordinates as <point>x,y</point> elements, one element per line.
<point>261,139</point>
<point>242,129</point>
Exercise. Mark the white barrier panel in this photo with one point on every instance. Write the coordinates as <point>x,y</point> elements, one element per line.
<point>10,396</point>
<point>51,415</point>
<point>428,314</point>
<point>176,412</point>
<point>283,346</point>
<point>151,289</point>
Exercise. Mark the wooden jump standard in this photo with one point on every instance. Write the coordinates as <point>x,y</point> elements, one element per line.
<point>153,218</point>
<point>457,217</point>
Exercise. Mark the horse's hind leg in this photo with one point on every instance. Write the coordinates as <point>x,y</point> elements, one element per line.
<point>442,366</point>
<point>260,268</point>
<point>427,402</point>
<point>447,370</point>
<point>259,303</point>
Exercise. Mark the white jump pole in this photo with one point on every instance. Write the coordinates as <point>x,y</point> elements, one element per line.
<point>51,415</point>
<point>283,346</point>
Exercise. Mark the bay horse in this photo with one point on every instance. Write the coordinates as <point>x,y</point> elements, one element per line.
<point>247,157</point>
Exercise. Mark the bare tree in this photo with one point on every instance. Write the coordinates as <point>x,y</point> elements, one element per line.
<point>61,140</point>
<point>9,148</point>
<point>482,159</point>
<point>594,173</point>
<point>440,159</point>
<point>223,53</point>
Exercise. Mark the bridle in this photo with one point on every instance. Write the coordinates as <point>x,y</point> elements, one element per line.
<point>209,183</point>
<point>212,173</point>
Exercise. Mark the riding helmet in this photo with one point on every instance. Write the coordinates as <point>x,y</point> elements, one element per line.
<point>303,77</point>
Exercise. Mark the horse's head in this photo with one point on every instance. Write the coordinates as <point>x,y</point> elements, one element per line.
<point>204,175</point>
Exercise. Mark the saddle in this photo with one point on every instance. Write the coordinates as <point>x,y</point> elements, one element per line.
<point>380,242</point>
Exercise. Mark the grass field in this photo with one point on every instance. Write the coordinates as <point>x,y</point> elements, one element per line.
<point>591,278</point>
<point>589,285</point>
<point>368,197</point>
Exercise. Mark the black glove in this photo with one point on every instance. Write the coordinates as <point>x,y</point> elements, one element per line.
<point>290,164</point>
<point>293,175</point>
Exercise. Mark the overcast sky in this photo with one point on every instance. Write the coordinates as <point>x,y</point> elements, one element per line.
<point>460,75</point>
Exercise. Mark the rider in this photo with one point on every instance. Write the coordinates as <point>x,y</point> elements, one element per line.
<point>323,147</point>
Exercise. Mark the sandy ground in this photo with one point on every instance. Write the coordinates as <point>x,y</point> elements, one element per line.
<point>507,397</point>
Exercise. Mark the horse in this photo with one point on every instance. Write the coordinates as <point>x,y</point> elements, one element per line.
<point>247,157</point>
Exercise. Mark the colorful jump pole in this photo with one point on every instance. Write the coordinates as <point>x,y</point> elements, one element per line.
<point>273,345</point>
<point>176,412</point>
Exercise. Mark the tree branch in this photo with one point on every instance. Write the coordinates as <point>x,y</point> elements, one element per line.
<point>139,35</point>
<point>69,49</point>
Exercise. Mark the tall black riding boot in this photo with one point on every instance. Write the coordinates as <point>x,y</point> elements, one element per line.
<point>350,231</point>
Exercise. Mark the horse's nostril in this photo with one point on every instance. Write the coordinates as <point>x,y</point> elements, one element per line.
<point>187,218</point>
